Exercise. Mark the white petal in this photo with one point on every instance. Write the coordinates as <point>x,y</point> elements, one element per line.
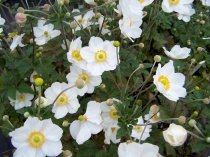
<point>52,148</point>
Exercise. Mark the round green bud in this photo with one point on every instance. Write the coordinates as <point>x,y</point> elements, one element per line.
<point>141,45</point>
<point>141,66</point>
<point>80,83</point>
<point>65,123</point>
<point>195,113</point>
<point>116,43</point>
<point>157,58</point>
<point>208,139</point>
<point>197,88</point>
<point>39,81</point>
<point>26,114</point>
<point>5,118</point>
<point>206,101</point>
<point>192,122</point>
<point>182,119</point>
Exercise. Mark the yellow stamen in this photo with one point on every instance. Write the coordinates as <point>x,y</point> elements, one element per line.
<point>85,77</point>
<point>21,98</point>
<point>46,33</point>
<point>113,114</point>
<point>36,139</point>
<point>113,129</point>
<point>82,118</point>
<point>62,100</point>
<point>76,55</point>
<point>141,1</point>
<point>100,56</point>
<point>138,128</point>
<point>173,2</point>
<point>155,118</point>
<point>165,81</point>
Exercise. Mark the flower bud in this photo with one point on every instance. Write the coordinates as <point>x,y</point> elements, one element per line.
<point>116,43</point>
<point>20,10</point>
<point>26,114</point>
<point>189,42</point>
<point>60,2</point>
<point>102,86</point>
<point>65,123</point>
<point>21,18</point>
<point>141,45</point>
<point>43,102</point>
<point>208,139</point>
<point>98,15</point>
<point>31,41</point>
<point>144,13</point>
<point>73,25</point>
<point>80,83</point>
<point>206,101</point>
<point>67,153</point>
<point>193,60</point>
<point>202,22</point>
<point>197,88</point>
<point>46,7</point>
<point>39,81</point>
<point>109,102</point>
<point>154,109</point>
<point>192,122</point>
<point>157,58</point>
<point>68,15</point>
<point>200,49</point>
<point>141,66</point>
<point>195,113</point>
<point>182,119</point>
<point>5,118</point>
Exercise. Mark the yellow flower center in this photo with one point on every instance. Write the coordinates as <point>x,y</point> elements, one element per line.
<point>21,98</point>
<point>35,76</point>
<point>165,81</point>
<point>141,1</point>
<point>113,129</point>
<point>155,118</point>
<point>46,33</point>
<point>12,35</point>
<point>36,139</point>
<point>113,114</point>
<point>100,56</point>
<point>80,21</point>
<point>85,77</point>
<point>173,2</point>
<point>105,26</point>
<point>138,128</point>
<point>76,55</point>
<point>62,100</point>
<point>82,118</point>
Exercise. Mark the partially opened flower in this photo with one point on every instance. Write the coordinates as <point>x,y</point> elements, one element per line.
<point>22,100</point>
<point>37,139</point>
<point>103,27</point>
<point>175,135</point>
<point>2,21</point>
<point>64,101</point>
<point>16,40</point>
<point>87,124</point>
<point>43,33</point>
<point>34,76</point>
<point>133,149</point>
<point>169,83</point>
<point>83,21</point>
<point>177,52</point>
<point>91,2</point>
<point>109,114</point>
<point>206,2</point>
<point>90,81</point>
<point>141,131</point>
<point>74,55</point>
<point>152,118</point>
<point>100,56</point>
<point>111,134</point>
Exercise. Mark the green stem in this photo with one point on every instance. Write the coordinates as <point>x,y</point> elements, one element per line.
<point>38,11</point>
<point>198,137</point>
<point>39,101</point>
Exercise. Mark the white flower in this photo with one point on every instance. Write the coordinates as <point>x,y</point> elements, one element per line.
<point>103,27</point>
<point>100,56</point>
<point>90,81</point>
<point>37,139</point>
<point>83,21</point>
<point>91,2</point>
<point>177,52</point>
<point>21,100</point>
<point>169,83</point>
<point>145,3</point>
<point>133,149</point>
<point>152,118</point>
<point>109,114</point>
<point>175,135</point>
<point>179,6</point>
<point>206,2</point>
<point>34,76</point>
<point>186,16</point>
<point>111,134</point>
<point>141,132</point>
<point>44,33</point>
<point>67,101</point>
<point>16,41</point>
<point>87,124</point>
<point>2,21</point>
<point>74,55</point>
<point>43,102</point>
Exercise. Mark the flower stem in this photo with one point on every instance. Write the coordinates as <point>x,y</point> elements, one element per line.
<point>196,136</point>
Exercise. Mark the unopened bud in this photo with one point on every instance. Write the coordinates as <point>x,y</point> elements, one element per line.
<point>197,88</point>
<point>208,139</point>
<point>80,83</point>
<point>202,22</point>
<point>182,119</point>
<point>21,18</point>
<point>109,102</point>
<point>98,15</point>
<point>20,10</point>
<point>141,66</point>
<point>154,109</point>
<point>206,101</point>
<point>157,58</point>
<point>195,113</point>
<point>73,25</point>
<point>68,15</point>
<point>65,123</point>
<point>67,153</point>
<point>26,114</point>
<point>141,45</point>
<point>144,13</point>
<point>192,122</point>
<point>46,7</point>
<point>102,86</point>
<point>189,42</point>
<point>60,2</point>
<point>39,81</point>
<point>5,118</point>
<point>200,49</point>
<point>116,43</point>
